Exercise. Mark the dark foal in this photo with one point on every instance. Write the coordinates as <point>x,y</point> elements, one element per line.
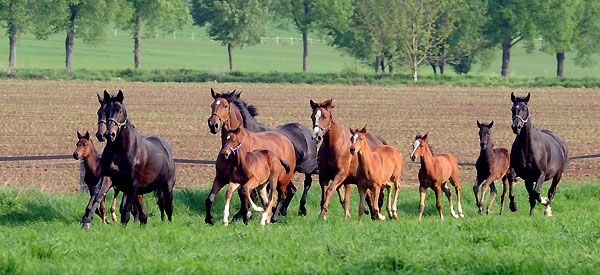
<point>138,164</point>
<point>536,155</point>
<point>492,164</point>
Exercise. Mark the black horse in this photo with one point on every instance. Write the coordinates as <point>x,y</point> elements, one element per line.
<point>138,165</point>
<point>536,155</point>
<point>301,138</point>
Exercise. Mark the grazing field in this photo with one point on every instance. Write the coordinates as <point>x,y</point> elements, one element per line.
<point>40,229</point>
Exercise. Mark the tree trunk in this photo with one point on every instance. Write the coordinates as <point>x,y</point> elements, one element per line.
<point>381,61</point>
<point>377,65</point>
<point>560,63</point>
<point>443,64</point>
<point>305,54</point>
<point>230,52</point>
<point>506,45</point>
<point>70,37</point>
<point>413,69</point>
<point>137,38</point>
<point>12,37</point>
<point>390,68</point>
<point>433,67</point>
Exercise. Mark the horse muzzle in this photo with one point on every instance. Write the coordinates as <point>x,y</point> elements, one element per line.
<point>412,157</point>
<point>100,137</point>
<point>110,135</point>
<point>352,151</point>
<point>516,129</point>
<point>213,126</point>
<point>225,155</point>
<point>76,156</point>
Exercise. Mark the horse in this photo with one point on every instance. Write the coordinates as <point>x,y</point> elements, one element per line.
<point>379,168</point>
<point>254,170</point>
<point>434,173</point>
<point>536,155</point>
<point>138,164</point>
<point>336,164</point>
<point>85,150</point>
<point>230,112</point>
<point>492,164</point>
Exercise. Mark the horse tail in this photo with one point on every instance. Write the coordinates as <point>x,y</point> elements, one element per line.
<point>309,166</point>
<point>285,165</point>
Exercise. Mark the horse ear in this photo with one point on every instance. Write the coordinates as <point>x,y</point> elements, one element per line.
<point>478,124</point>
<point>237,130</point>
<point>352,130</point>
<point>230,96</point>
<point>312,104</point>
<point>213,93</point>
<point>364,129</point>
<point>87,135</point>
<point>329,104</point>
<point>100,99</point>
<point>237,96</point>
<point>119,98</point>
<point>79,135</point>
<point>491,124</point>
<point>426,136</point>
<point>527,98</point>
<point>106,96</point>
<point>512,97</point>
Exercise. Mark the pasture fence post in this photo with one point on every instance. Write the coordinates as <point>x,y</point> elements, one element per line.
<point>82,186</point>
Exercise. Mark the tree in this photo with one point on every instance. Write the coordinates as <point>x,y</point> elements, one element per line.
<point>304,14</point>
<point>14,17</point>
<point>587,40</point>
<point>235,23</point>
<point>166,15</point>
<point>511,21</point>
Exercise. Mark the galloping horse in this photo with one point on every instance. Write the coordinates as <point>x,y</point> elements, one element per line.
<point>230,112</point>
<point>137,164</point>
<point>492,164</point>
<point>536,155</point>
<point>434,173</point>
<point>336,164</point>
<point>85,150</point>
<point>255,169</point>
<point>376,169</point>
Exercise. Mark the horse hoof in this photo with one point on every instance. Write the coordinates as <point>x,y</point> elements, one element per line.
<point>461,215</point>
<point>513,206</point>
<point>323,217</point>
<point>548,213</point>
<point>282,212</point>
<point>209,220</point>
<point>86,225</point>
<point>381,218</point>
<point>302,211</point>
<point>225,223</point>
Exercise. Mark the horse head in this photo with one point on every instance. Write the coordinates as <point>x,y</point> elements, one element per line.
<point>221,109</point>
<point>101,118</point>
<point>485,134</point>
<point>85,146</point>
<point>116,115</point>
<point>322,119</point>
<point>419,146</point>
<point>358,139</point>
<point>232,143</point>
<point>520,112</point>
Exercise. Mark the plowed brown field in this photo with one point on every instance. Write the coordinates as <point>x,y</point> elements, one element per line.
<point>41,118</point>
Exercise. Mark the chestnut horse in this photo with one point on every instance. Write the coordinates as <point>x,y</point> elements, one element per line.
<point>138,164</point>
<point>434,173</point>
<point>492,164</point>
<point>536,155</point>
<point>254,170</point>
<point>85,150</point>
<point>336,164</point>
<point>230,112</point>
<point>376,169</point>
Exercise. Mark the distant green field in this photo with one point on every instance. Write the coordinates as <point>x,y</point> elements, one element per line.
<point>40,233</point>
<point>163,51</point>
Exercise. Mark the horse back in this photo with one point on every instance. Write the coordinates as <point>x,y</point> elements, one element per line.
<point>390,159</point>
<point>280,145</point>
<point>447,164</point>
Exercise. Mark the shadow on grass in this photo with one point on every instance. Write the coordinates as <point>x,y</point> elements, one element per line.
<point>34,211</point>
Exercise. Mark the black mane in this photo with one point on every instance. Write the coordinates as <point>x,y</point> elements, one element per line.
<point>249,112</point>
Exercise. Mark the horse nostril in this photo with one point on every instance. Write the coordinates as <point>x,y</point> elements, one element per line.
<point>75,155</point>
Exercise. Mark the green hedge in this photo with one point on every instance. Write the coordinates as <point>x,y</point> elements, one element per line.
<point>345,77</point>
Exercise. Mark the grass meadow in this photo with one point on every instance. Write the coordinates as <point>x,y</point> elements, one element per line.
<point>40,233</point>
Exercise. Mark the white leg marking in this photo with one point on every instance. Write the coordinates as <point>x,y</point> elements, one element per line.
<point>263,219</point>
<point>226,214</point>
<point>544,201</point>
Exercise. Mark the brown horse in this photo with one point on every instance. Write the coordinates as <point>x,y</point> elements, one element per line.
<point>376,169</point>
<point>336,164</point>
<point>91,159</point>
<point>435,172</point>
<point>254,170</point>
<point>226,112</point>
<point>492,164</point>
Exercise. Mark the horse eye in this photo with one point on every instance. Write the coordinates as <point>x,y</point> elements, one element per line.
<point>324,117</point>
<point>84,145</point>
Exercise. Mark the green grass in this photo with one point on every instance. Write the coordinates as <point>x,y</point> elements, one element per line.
<point>40,233</point>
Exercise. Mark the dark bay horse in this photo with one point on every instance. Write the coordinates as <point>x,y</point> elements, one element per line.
<point>255,169</point>
<point>85,150</point>
<point>536,155</point>
<point>492,164</point>
<point>336,164</point>
<point>230,112</point>
<point>137,164</point>
<point>380,168</point>
<point>434,173</point>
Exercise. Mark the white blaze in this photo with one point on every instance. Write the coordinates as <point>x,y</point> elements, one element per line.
<point>228,137</point>
<point>316,122</point>
<point>354,138</point>
<point>218,102</point>
<point>415,146</point>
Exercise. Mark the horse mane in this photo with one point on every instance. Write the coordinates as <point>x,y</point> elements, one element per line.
<point>249,112</point>
<point>419,136</point>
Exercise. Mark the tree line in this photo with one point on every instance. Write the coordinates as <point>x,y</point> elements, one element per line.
<point>383,33</point>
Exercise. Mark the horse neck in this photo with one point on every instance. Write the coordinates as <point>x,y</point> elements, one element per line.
<point>240,159</point>
<point>488,153</point>
<point>427,160</point>
<point>337,131</point>
<point>527,135</point>
<point>235,118</point>
<point>249,122</point>
<point>92,162</point>
<point>365,160</point>
<point>127,139</point>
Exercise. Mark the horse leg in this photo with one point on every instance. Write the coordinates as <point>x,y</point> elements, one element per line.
<point>537,189</point>
<point>232,187</point>
<point>113,207</point>
<point>377,190</point>
<point>216,187</point>
<point>103,210</point>
<point>290,191</point>
<point>493,193</point>
<point>457,187</point>
<point>244,206</point>
<point>335,184</point>
<point>307,184</point>
<point>511,179</point>
<point>168,192</point>
<point>448,193</point>
<point>143,214</point>
<point>250,185</point>
<point>126,202</point>
<point>98,192</point>
<point>532,198</point>
<point>161,202</point>
<point>253,197</point>
<point>438,202</point>
<point>551,192</point>
<point>389,201</point>
<point>398,184</point>
<point>423,193</point>
<point>476,192</point>
<point>280,199</point>
<point>271,201</point>
<point>361,205</point>
<point>504,194</point>
<point>348,188</point>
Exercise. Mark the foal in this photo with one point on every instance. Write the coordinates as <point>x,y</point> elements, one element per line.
<point>492,164</point>
<point>254,170</point>
<point>434,173</point>
<point>86,151</point>
<point>376,169</point>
